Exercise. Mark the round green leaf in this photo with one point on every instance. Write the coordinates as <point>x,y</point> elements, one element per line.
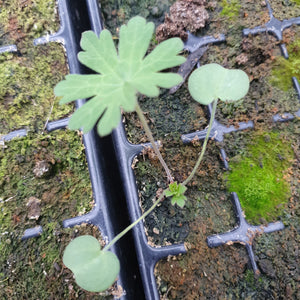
<point>94,270</point>
<point>211,82</point>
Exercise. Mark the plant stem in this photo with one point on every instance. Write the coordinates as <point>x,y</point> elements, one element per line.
<point>150,136</point>
<point>144,215</point>
<point>212,117</point>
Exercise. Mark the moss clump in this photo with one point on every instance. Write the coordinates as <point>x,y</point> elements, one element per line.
<point>26,87</point>
<point>231,8</point>
<point>284,69</point>
<point>259,176</point>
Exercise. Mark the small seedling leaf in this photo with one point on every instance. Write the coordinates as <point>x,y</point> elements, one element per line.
<point>122,74</point>
<point>94,270</point>
<point>211,82</point>
<point>176,191</point>
<point>179,200</point>
<point>168,193</point>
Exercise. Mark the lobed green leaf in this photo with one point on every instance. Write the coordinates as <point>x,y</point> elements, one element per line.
<point>121,75</point>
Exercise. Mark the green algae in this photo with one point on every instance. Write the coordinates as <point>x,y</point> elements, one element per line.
<point>26,87</point>
<point>33,268</point>
<point>259,176</point>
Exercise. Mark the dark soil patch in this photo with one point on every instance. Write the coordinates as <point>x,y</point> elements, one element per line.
<point>165,117</point>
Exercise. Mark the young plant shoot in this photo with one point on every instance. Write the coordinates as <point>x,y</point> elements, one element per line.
<point>122,75</point>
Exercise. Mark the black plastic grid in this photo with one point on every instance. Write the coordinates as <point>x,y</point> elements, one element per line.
<point>137,265</point>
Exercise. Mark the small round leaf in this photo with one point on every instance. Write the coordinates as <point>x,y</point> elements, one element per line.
<point>94,270</point>
<point>211,82</point>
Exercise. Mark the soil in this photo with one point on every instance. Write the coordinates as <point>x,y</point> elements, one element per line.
<point>285,9</point>
<point>184,16</point>
<point>224,272</point>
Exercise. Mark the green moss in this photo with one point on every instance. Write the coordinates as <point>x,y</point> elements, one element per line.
<point>231,8</point>
<point>27,19</point>
<point>26,87</point>
<point>64,190</point>
<point>259,175</point>
<point>33,268</point>
<point>284,69</point>
<point>251,279</point>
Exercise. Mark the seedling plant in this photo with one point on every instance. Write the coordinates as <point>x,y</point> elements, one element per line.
<point>122,74</point>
